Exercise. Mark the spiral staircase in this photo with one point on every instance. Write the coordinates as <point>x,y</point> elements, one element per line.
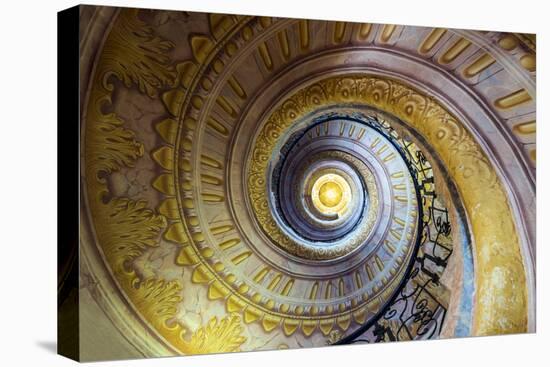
<point>254,183</point>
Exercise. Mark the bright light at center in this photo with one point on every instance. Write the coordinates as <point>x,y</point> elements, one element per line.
<point>331,194</point>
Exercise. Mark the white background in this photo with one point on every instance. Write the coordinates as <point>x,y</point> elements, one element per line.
<point>28,181</point>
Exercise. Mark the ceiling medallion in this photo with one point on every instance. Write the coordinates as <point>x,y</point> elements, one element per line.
<point>331,195</point>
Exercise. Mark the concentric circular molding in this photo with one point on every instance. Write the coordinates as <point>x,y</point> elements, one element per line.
<point>339,138</point>
<point>296,198</point>
<point>224,233</point>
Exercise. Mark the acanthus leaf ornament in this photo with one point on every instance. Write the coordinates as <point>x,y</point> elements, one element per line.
<point>136,56</point>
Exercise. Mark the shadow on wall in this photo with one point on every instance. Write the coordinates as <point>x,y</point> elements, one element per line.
<point>48,345</point>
